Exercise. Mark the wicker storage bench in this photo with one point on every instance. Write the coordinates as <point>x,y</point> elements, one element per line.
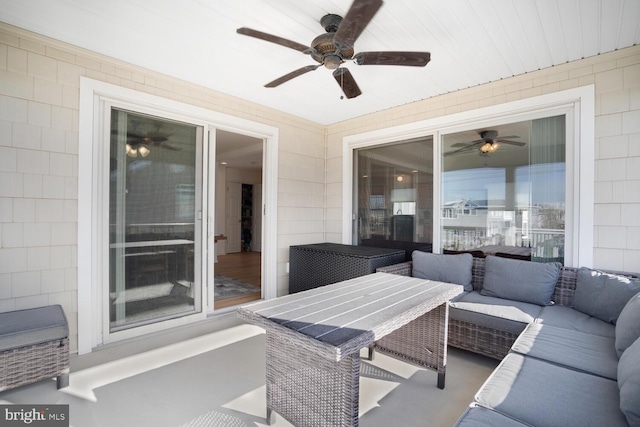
<point>321,264</point>
<point>34,346</point>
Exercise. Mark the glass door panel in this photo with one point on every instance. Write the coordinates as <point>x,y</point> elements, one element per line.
<point>395,195</point>
<point>154,196</point>
<point>503,190</point>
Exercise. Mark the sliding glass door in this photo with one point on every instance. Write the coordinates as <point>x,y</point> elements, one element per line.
<point>155,196</point>
<point>394,185</point>
<point>503,190</point>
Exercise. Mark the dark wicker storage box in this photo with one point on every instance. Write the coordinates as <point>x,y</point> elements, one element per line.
<point>321,264</point>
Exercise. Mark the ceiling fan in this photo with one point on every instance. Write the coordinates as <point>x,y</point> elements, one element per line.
<point>335,47</point>
<point>488,143</point>
<point>140,143</point>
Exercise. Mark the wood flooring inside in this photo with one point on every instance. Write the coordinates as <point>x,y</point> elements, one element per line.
<point>244,266</point>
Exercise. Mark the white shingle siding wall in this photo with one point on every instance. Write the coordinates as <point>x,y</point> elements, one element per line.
<point>39,99</point>
<point>616,77</point>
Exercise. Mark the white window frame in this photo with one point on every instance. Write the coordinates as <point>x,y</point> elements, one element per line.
<point>578,106</point>
<point>90,192</point>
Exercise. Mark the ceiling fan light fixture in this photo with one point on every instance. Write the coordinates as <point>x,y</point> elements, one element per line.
<point>332,62</point>
<point>489,147</point>
<point>134,151</point>
<point>131,152</point>
<point>144,151</point>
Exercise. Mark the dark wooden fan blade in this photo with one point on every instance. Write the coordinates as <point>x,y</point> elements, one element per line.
<point>129,134</point>
<point>466,144</point>
<point>506,141</point>
<point>347,82</point>
<point>169,147</point>
<point>469,147</point>
<point>271,38</point>
<point>147,139</point>
<point>142,138</point>
<point>291,75</point>
<point>355,21</point>
<point>412,59</point>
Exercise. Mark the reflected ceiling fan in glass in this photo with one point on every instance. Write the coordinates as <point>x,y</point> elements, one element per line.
<point>133,151</point>
<point>488,143</point>
<point>140,142</point>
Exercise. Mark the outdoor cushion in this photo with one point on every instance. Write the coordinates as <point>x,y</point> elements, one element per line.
<point>577,350</point>
<point>603,295</point>
<point>542,394</point>
<point>517,280</point>
<point>628,325</point>
<point>495,313</point>
<point>443,268</point>
<point>562,316</point>
<point>22,328</point>
<point>477,416</point>
<point>629,383</point>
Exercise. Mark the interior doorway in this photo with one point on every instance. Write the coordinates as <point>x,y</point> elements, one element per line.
<point>238,261</point>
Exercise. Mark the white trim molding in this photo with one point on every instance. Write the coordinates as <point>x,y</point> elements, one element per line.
<point>91,215</point>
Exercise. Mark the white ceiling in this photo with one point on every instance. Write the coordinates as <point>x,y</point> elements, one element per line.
<point>238,151</point>
<point>471,43</point>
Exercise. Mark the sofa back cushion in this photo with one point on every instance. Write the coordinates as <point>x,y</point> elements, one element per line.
<point>603,295</point>
<point>628,325</point>
<point>525,281</point>
<point>443,268</point>
<point>629,383</point>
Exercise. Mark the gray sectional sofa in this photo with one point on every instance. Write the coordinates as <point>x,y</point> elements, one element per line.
<point>568,339</point>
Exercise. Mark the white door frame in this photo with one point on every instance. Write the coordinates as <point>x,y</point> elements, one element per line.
<point>233,216</point>
<point>90,274</point>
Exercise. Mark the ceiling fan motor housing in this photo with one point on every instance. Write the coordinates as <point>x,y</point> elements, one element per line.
<point>324,50</point>
<point>331,22</point>
<point>489,135</point>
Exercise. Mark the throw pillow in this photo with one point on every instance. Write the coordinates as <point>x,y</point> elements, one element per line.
<point>443,268</point>
<point>629,383</point>
<point>517,280</point>
<point>628,325</point>
<point>603,295</point>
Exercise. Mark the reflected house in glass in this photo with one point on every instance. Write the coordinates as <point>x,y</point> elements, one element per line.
<point>513,197</point>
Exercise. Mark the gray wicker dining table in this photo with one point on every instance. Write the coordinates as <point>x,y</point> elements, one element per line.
<point>314,339</point>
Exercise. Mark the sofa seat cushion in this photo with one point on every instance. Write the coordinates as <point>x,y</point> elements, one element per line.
<point>525,281</point>
<point>23,328</point>
<point>477,416</point>
<point>576,350</point>
<point>491,312</point>
<point>603,295</point>
<point>542,394</point>
<point>566,317</point>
